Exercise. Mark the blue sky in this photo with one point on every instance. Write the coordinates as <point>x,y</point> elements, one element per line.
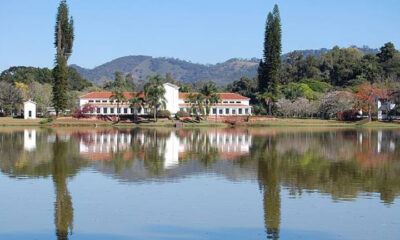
<point>203,31</point>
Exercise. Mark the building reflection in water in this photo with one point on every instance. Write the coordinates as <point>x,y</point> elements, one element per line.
<point>341,163</point>
<point>173,146</point>
<point>30,139</point>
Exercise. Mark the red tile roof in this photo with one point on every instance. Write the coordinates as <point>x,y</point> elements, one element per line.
<point>224,96</point>
<point>94,95</point>
<point>218,105</point>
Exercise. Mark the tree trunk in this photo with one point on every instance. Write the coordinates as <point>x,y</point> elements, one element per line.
<point>155,114</point>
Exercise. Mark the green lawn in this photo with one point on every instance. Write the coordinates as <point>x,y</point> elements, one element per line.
<point>280,122</point>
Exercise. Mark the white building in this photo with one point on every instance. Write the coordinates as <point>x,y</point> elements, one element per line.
<point>231,103</point>
<point>29,110</point>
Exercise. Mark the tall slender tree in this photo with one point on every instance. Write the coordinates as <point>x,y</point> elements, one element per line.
<point>270,65</point>
<point>64,38</point>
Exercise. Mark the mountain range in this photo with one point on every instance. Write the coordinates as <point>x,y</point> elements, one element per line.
<point>222,73</point>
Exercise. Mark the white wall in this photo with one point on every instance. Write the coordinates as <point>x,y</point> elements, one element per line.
<point>29,107</point>
<point>172,97</point>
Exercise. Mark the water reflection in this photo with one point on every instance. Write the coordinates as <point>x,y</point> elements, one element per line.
<point>341,163</point>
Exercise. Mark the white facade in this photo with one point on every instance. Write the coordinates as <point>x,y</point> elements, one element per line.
<point>231,104</point>
<point>29,110</point>
<point>172,97</point>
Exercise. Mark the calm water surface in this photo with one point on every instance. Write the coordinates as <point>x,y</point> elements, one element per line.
<point>199,184</point>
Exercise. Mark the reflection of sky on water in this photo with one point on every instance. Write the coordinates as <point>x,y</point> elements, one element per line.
<point>187,210</point>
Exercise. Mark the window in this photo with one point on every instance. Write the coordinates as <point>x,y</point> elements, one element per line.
<point>214,111</point>
<point>98,110</point>
<point>118,110</point>
<point>132,110</point>
<point>220,111</point>
<point>225,102</point>
<point>105,110</point>
<point>186,101</point>
<point>182,109</point>
<point>233,111</point>
<point>112,110</point>
<point>246,110</point>
<point>97,101</point>
<point>125,110</point>
<point>238,102</point>
<point>231,101</point>
<point>30,114</point>
<point>104,101</point>
<point>226,110</point>
<point>91,101</point>
<point>240,111</point>
<point>146,110</point>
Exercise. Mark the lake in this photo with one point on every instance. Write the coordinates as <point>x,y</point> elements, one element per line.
<point>199,184</point>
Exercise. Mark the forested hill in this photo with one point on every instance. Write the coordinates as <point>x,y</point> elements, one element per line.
<point>222,73</point>
<point>142,66</point>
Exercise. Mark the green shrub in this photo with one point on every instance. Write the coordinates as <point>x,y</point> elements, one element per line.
<point>47,120</point>
<point>182,114</point>
<point>317,86</point>
<point>163,114</point>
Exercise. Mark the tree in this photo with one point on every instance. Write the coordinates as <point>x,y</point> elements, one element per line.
<point>244,86</point>
<point>169,78</point>
<point>64,37</point>
<point>42,94</point>
<point>297,90</point>
<point>210,95</point>
<point>137,104</point>
<point>367,96</point>
<point>266,99</point>
<point>118,96</point>
<point>130,82</point>
<point>191,99</point>
<point>387,52</point>
<point>335,102</point>
<point>269,67</point>
<point>155,93</point>
<point>11,98</point>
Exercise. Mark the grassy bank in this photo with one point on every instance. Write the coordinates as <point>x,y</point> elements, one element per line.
<point>290,122</point>
<point>62,122</point>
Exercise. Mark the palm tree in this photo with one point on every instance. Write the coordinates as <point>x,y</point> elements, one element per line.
<point>155,93</point>
<point>137,104</point>
<point>268,99</point>
<point>200,102</point>
<point>209,90</point>
<point>191,98</point>
<point>118,96</point>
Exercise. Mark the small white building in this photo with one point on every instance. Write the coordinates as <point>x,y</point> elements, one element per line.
<point>29,110</point>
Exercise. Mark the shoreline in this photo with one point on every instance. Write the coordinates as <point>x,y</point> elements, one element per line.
<point>277,123</point>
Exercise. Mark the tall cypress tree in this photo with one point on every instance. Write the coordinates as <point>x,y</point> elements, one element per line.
<point>64,38</point>
<point>270,65</point>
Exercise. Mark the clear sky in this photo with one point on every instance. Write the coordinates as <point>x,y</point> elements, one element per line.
<point>203,31</point>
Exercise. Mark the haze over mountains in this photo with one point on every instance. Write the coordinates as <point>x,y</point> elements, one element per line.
<point>222,73</point>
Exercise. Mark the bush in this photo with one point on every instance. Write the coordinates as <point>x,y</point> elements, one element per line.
<point>182,114</point>
<point>47,120</point>
<point>348,115</point>
<point>85,112</point>
<point>163,114</point>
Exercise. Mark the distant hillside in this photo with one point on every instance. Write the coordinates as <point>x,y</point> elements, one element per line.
<point>222,73</point>
<point>142,66</point>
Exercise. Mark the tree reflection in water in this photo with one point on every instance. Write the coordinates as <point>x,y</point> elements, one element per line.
<point>342,163</point>
<point>63,216</point>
